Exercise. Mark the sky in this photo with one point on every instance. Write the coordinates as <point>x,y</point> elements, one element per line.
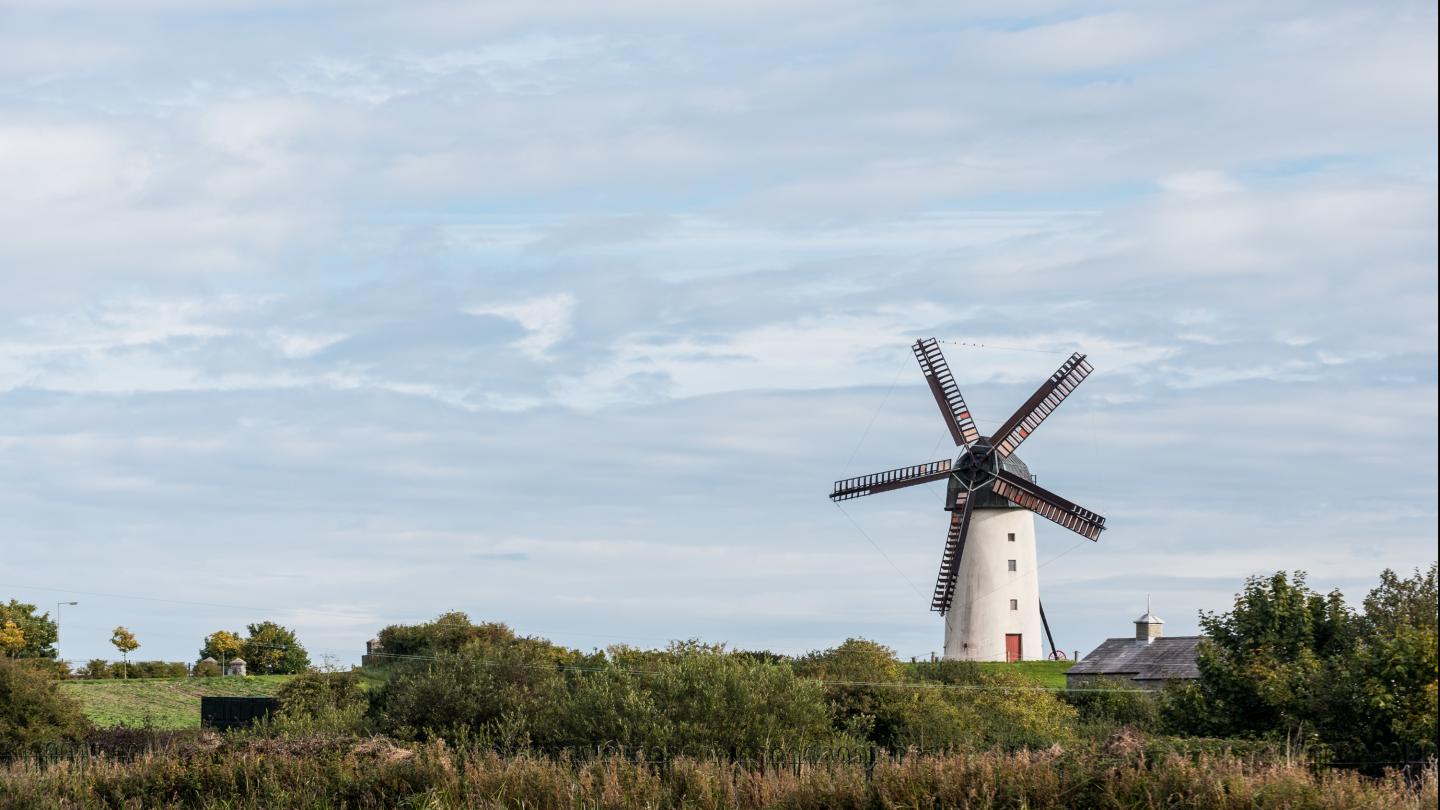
<point>568,316</point>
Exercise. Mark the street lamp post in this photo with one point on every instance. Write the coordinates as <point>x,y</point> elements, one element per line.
<point>58,605</point>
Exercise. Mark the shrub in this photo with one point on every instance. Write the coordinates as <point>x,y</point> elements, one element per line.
<point>33,713</point>
<point>208,669</point>
<point>322,701</point>
<point>1115,702</point>
<point>1001,707</point>
<point>490,692</point>
<point>447,634</point>
<point>721,704</point>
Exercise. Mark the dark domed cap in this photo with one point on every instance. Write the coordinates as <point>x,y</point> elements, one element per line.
<point>989,500</point>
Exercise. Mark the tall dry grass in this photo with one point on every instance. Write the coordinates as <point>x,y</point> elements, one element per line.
<point>377,773</point>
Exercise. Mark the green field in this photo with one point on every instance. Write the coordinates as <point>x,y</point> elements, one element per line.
<point>1045,673</point>
<point>165,703</point>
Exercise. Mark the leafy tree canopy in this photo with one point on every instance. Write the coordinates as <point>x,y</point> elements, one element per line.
<point>222,645</point>
<point>39,629</point>
<point>270,649</point>
<point>1287,661</point>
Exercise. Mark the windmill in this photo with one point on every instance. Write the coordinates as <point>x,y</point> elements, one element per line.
<point>986,589</point>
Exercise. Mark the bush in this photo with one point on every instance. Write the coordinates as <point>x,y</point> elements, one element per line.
<point>33,713</point>
<point>447,634</point>
<point>322,701</point>
<point>721,704</point>
<point>1001,707</point>
<point>208,669</point>
<point>492,692</point>
<point>1115,702</point>
<point>100,669</point>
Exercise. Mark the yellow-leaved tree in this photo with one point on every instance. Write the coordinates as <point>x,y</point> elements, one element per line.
<point>125,642</point>
<point>12,639</point>
<point>222,645</point>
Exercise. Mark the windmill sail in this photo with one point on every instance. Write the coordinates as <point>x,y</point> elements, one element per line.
<point>891,479</point>
<point>1041,404</point>
<point>947,393</point>
<point>954,550</point>
<point>1048,505</point>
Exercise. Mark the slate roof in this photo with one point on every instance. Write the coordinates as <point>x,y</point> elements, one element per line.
<point>1161,659</point>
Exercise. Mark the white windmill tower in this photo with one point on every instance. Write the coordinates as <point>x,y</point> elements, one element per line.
<point>987,588</point>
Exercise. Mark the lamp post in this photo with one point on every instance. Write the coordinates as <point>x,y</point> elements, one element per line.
<point>58,605</point>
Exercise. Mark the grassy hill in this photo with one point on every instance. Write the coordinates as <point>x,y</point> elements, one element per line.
<point>160,702</point>
<point>1044,673</point>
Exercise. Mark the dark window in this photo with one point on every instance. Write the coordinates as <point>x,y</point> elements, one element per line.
<point>1010,537</point>
<point>1014,604</point>
<point>1012,565</point>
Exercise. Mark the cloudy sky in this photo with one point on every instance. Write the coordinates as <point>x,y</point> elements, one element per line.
<point>344,314</point>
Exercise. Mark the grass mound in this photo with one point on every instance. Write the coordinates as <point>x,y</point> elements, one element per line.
<point>162,703</point>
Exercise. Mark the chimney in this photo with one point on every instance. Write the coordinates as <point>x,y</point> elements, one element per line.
<point>1148,627</point>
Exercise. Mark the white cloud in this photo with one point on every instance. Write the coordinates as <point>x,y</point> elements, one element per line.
<point>547,319</point>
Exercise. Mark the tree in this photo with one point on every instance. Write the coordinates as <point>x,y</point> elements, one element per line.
<point>222,645</point>
<point>1287,661</point>
<point>33,712</point>
<point>39,629</point>
<point>12,639</point>
<point>270,649</point>
<point>1395,674</point>
<point>125,642</point>
<point>448,633</point>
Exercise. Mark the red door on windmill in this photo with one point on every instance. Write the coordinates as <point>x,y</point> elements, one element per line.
<point>1012,647</point>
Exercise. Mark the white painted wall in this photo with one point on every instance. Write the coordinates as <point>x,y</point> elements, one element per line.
<point>980,617</point>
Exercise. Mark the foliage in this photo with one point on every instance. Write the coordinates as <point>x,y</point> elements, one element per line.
<point>1002,705</point>
<point>33,714</point>
<point>241,772</point>
<point>270,649</point>
<point>704,700</point>
<point>39,630</point>
<point>222,645</point>
<point>12,639</point>
<point>1115,702</point>
<point>1290,663</point>
<point>125,642</point>
<point>715,703</point>
<point>208,669</point>
<point>323,700</point>
<point>447,634</point>
<point>100,669</point>
<point>492,688</point>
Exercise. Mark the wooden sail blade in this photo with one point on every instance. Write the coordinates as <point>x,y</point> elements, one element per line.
<point>1048,505</point>
<point>947,393</point>
<point>1041,404</point>
<point>890,479</point>
<point>954,550</point>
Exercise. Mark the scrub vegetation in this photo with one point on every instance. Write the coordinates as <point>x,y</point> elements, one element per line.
<point>1303,702</point>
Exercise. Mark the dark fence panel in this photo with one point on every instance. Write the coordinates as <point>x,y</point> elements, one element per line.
<point>224,713</point>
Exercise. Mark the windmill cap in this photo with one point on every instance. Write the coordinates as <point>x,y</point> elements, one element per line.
<point>1149,618</point>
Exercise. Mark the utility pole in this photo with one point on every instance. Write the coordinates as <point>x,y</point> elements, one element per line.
<point>58,605</point>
